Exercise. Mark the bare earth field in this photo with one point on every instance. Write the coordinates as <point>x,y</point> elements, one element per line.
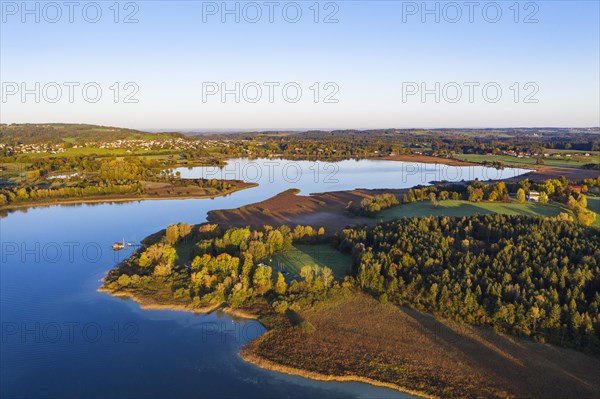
<point>316,210</point>
<point>360,339</point>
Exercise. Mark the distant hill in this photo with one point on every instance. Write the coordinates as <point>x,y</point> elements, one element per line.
<point>57,132</point>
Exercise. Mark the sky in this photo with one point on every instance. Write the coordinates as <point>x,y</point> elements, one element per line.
<point>197,65</point>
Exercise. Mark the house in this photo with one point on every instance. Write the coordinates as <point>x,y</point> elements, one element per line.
<point>534,196</point>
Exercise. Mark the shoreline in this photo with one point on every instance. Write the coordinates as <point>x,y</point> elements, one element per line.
<point>146,303</point>
<point>116,199</point>
<point>258,361</point>
<point>246,353</point>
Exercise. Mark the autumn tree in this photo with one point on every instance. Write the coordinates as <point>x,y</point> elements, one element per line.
<point>172,234</point>
<point>521,196</point>
<point>280,285</point>
<point>433,200</point>
<point>261,280</point>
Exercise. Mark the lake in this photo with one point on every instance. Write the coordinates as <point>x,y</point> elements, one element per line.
<point>61,338</point>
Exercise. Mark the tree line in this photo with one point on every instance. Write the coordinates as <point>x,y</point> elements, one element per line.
<point>526,276</point>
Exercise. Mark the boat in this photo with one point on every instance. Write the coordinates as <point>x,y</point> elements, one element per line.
<point>117,246</point>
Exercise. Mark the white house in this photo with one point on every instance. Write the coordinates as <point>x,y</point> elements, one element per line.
<point>534,196</point>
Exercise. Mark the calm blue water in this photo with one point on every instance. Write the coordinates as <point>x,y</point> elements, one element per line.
<point>61,338</point>
<point>276,175</point>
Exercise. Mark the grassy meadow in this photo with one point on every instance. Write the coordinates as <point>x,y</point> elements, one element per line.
<point>322,255</point>
<point>561,162</point>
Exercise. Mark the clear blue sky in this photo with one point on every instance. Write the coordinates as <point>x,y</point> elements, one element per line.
<point>374,54</point>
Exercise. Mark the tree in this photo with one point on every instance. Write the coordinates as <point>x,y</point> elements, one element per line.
<point>433,199</point>
<point>124,280</point>
<point>162,270</point>
<point>275,240</point>
<point>184,229</point>
<point>261,280</point>
<point>493,196</point>
<point>572,203</point>
<point>237,236</point>
<point>475,194</point>
<point>155,252</point>
<point>306,272</point>
<point>327,277</point>
<point>246,270</point>
<point>536,284</point>
<point>543,198</point>
<point>169,255</point>
<point>144,261</point>
<point>586,217</point>
<point>500,189</point>
<point>582,201</point>
<point>520,196</point>
<point>172,234</point>
<point>280,285</point>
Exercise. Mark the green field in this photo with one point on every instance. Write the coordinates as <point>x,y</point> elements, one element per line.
<point>307,255</point>
<point>594,206</point>
<point>562,162</point>
<point>466,208</point>
<point>184,252</point>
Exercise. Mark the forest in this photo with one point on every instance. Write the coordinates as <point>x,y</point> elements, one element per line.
<point>527,276</point>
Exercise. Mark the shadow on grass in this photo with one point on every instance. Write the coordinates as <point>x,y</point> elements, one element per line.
<point>531,369</point>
